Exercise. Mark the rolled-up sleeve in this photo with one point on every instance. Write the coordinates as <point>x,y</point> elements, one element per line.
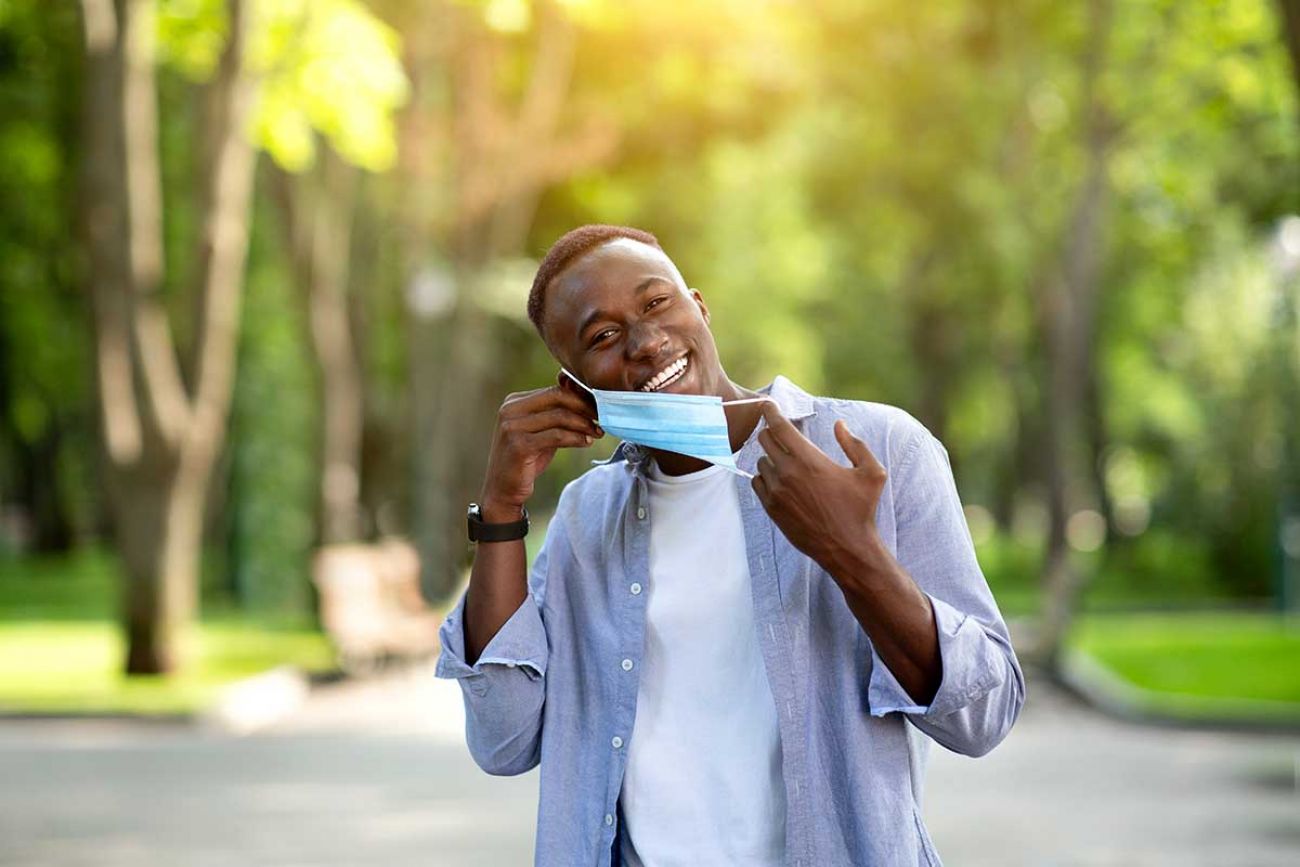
<point>505,689</point>
<point>983,688</point>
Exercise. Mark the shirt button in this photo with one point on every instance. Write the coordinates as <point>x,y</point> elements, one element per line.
<point>627,665</point>
<point>640,512</point>
<point>617,742</point>
<point>609,820</point>
<point>635,588</point>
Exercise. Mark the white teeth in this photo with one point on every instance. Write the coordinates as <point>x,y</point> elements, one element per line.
<point>666,375</point>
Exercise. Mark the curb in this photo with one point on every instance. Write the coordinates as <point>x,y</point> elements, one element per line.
<point>241,707</point>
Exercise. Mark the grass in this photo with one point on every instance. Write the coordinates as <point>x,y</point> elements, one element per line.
<point>79,586</point>
<point>53,666</point>
<point>1224,665</point>
<point>61,650</point>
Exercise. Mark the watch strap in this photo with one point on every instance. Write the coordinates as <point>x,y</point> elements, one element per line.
<point>481,531</point>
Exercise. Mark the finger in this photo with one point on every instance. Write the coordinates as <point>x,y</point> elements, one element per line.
<point>555,437</point>
<point>560,417</point>
<point>784,430</point>
<point>548,398</point>
<point>773,448</point>
<point>759,484</point>
<point>855,449</point>
<point>565,383</point>
<point>579,401</point>
<point>768,470</point>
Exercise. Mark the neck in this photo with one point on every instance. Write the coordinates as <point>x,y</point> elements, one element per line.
<point>741,421</point>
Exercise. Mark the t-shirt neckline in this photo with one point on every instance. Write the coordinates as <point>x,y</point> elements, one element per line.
<point>658,475</point>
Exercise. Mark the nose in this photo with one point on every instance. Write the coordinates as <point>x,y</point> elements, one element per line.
<point>645,340</point>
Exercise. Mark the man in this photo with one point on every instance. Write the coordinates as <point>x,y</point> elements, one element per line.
<point>711,669</point>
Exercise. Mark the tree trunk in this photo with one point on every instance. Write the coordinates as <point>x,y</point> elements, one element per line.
<point>318,209</point>
<point>1290,21</point>
<point>1018,467</point>
<point>1068,316</point>
<point>1098,440</point>
<point>35,488</point>
<point>161,440</point>
<point>156,601</point>
<point>475,165</point>
<point>458,439</point>
<point>930,337</point>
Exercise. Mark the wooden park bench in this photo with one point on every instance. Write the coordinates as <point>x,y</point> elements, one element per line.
<point>371,606</point>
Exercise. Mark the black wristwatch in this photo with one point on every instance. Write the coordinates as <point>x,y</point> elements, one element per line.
<point>479,531</point>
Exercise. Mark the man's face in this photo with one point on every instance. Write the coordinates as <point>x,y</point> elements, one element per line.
<point>622,319</point>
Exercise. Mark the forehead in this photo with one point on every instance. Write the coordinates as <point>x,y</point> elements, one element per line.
<point>603,278</point>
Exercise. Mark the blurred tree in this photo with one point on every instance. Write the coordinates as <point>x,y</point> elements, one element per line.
<point>518,110</point>
<point>924,204</point>
<point>342,75</point>
<point>485,134</point>
<point>331,79</point>
<point>327,66</point>
<point>162,433</point>
<point>1068,299</point>
<point>317,209</point>
<point>1290,15</point>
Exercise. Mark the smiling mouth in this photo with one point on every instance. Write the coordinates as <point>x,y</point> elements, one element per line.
<point>667,376</point>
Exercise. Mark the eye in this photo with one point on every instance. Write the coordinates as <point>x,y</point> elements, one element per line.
<point>599,338</point>
<point>655,301</point>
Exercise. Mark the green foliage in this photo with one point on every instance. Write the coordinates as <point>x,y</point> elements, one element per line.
<point>46,412</point>
<point>1011,566</point>
<point>1159,567</point>
<point>192,35</point>
<point>871,198</point>
<point>884,235</point>
<point>331,66</point>
<point>327,66</point>
<point>273,433</point>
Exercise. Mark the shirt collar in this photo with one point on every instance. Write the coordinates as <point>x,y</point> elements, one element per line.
<point>793,401</point>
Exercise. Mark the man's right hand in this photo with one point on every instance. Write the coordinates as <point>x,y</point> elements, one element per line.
<point>531,425</point>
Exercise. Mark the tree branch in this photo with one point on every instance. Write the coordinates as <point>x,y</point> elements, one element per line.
<point>159,369</point>
<point>224,241</point>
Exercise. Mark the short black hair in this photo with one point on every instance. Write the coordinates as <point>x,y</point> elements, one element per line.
<point>564,251</point>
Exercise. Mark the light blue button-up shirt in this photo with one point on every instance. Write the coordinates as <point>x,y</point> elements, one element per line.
<point>554,687</point>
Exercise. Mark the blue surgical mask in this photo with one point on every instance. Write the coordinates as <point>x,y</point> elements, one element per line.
<point>688,424</point>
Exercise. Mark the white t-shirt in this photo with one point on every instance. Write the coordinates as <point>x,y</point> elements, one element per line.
<point>703,784</point>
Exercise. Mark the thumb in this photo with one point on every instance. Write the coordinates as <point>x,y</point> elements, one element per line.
<point>855,449</point>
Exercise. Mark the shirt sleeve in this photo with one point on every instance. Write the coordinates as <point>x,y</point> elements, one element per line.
<point>983,689</point>
<point>504,690</point>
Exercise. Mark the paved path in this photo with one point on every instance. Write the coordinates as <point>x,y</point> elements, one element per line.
<point>377,774</point>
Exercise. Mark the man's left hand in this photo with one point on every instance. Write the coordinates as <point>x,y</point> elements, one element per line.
<point>826,510</point>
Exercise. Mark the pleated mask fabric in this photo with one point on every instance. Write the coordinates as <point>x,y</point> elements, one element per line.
<point>687,424</point>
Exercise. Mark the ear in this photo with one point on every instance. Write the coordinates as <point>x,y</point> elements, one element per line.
<point>699,302</point>
<point>564,382</point>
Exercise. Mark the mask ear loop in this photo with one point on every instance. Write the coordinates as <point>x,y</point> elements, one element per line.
<point>761,420</point>
<point>578,381</point>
